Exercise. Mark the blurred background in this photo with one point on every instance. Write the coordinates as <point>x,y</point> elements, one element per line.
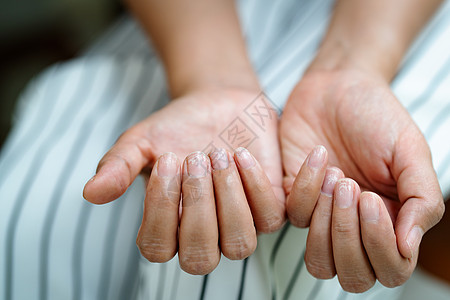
<point>35,34</point>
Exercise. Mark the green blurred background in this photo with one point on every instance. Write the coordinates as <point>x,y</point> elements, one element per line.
<point>37,33</point>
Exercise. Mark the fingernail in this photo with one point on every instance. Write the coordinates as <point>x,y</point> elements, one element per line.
<point>219,159</point>
<point>317,157</point>
<point>167,165</point>
<point>329,182</point>
<point>198,164</point>
<point>344,194</point>
<point>244,158</point>
<point>370,209</point>
<point>414,238</point>
<point>92,179</point>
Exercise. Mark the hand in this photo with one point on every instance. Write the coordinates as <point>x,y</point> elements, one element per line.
<point>372,139</point>
<point>187,124</point>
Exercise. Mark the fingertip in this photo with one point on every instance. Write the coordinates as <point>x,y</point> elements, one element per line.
<point>338,172</point>
<point>346,192</point>
<point>318,157</point>
<point>91,192</point>
<point>271,224</point>
<point>307,187</point>
<point>244,158</point>
<point>86,189</point>
<point>332,176</point>
<point>197,164</point>
<point>368,194</point>
<point>355,186</point>
<point>416,216</point>
<point>220,159</point>
<point>103,188</point>
<point>412,242</point>
<point>167,165</point>
<point>369,207</point>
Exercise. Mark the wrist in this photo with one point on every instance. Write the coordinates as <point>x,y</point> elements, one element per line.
<point>209,76</point>
<point>341,55</point>
<point>199,42</point>
<point>369,36</point>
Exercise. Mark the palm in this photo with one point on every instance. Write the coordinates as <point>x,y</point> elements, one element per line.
<point>358,120</point>
<point>202,121</point>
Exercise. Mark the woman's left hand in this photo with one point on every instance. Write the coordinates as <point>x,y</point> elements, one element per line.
<point>365,236</point>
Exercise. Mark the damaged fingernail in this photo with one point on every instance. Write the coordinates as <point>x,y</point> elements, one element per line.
<point>414,238</point>
<point>244,158</point>
<point>370,210</point>
<point>344,194</point>
<point>167,165</point>
<point>198,164</point>
<point>317,157</point>
<point>219,159</point>
<point>329,182</point>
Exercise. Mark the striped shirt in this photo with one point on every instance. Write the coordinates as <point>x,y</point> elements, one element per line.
<point>55,245</point>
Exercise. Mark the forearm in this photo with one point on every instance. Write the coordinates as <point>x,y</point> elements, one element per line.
<point>199,42</point>
<point>372,35</point>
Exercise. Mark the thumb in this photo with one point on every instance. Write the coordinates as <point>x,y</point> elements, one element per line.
<point>119,167</point>
<point>420,196</point>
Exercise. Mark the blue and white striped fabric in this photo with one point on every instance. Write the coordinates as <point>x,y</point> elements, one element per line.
<point>55,245</point>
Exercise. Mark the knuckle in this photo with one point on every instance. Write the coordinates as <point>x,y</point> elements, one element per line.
<point>270,223</point>
<point>262,187</point>
<point>119,179</point>
<point>155,250</point>
<point>325,213</point>
<point>123,161</point>
<point>195,191</point>
<point>198,261</point>
<point>164,199</point>
<point>239,247</point>
<point>310,192</point>
<point>143,146</point>
<point>318,268</point>
<point>297,219</point>
<point>358,284</point>
<point>304,191</point>
<point>440,210</point>
<point>303,182</point>
<point>373,240</point>
<point>345,228</point>
<point>433,210</point>
<point>397,278</point>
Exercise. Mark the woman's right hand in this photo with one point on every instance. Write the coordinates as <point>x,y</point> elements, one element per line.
<point>224,196</point>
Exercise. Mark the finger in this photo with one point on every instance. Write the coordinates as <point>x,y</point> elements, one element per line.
<point>270,158</point>
<point>157,237</point>
<point>268,213</point>
<point>419,193</point>
<point>319,251</point>
<point>119,167</point>
<point>306,188</point>
<point>199,237</point>
<point>352,265</point>
<point>236,229</point>
<point>380,242</point>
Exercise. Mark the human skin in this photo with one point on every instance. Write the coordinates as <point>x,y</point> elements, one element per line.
<point>344,103</point>
<point>343,93</point>
<point>227,197</point>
